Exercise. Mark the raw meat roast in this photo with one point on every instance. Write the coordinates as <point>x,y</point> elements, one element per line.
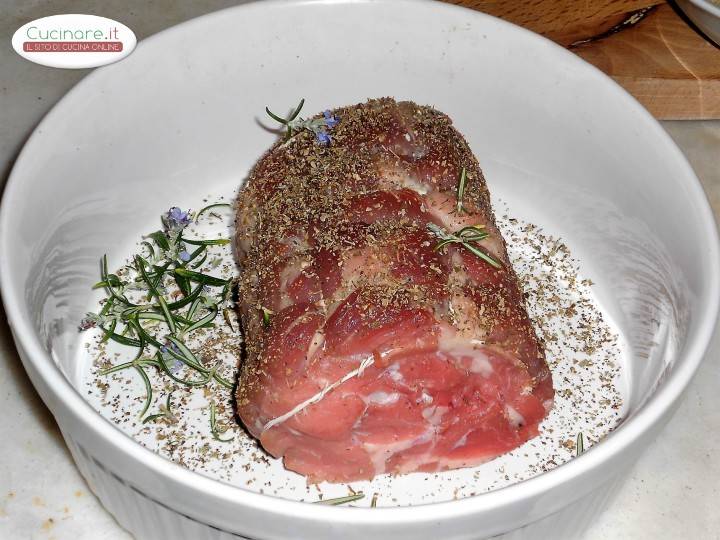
<point>369,349</point>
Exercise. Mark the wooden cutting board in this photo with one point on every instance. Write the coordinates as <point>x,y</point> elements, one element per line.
<point>645,45</point>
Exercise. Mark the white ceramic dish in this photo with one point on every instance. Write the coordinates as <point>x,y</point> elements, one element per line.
<point>705,15</point>
<point>177,119</point>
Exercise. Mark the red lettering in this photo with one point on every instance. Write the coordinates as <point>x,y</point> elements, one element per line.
<point>72,46</point>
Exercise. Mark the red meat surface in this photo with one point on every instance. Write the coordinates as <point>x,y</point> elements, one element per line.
<point>380,353</point>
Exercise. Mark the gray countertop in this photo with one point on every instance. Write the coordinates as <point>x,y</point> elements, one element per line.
<point>671,493</point>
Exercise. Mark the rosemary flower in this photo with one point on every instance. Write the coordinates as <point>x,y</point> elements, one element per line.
<point>169,345</point>
<point>323,137</point>
<point>330,119</point>
<point>176,367</point>
<point>177,219</point>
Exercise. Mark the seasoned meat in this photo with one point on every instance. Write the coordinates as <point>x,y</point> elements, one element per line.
<point>370,350</point>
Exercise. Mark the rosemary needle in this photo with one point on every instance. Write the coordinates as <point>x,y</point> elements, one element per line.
<point>288,122</point>
<point>461,190</point>
<point>148,390</point>
<point>166,412</point>
<point>341,500</point>
<point>580,445</point>
<point>266,313</point>
<point>213,425</point>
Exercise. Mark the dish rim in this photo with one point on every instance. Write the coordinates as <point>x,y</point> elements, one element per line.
<point>69,399</point>
<point>707,7</point>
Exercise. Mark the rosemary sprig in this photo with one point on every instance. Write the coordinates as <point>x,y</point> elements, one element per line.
<point>156,326</point>
<point>319,126</point>
<point>288,122</point>
<point>461,190</point>
<point>341,500</point>
<point>466,237</point>
<point>580,444</point>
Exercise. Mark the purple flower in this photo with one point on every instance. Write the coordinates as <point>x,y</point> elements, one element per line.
<point>330,119</point>
<point>323,137</point>
<point>176,218</point>
<point>184,256</point>
<point>176,367</point>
